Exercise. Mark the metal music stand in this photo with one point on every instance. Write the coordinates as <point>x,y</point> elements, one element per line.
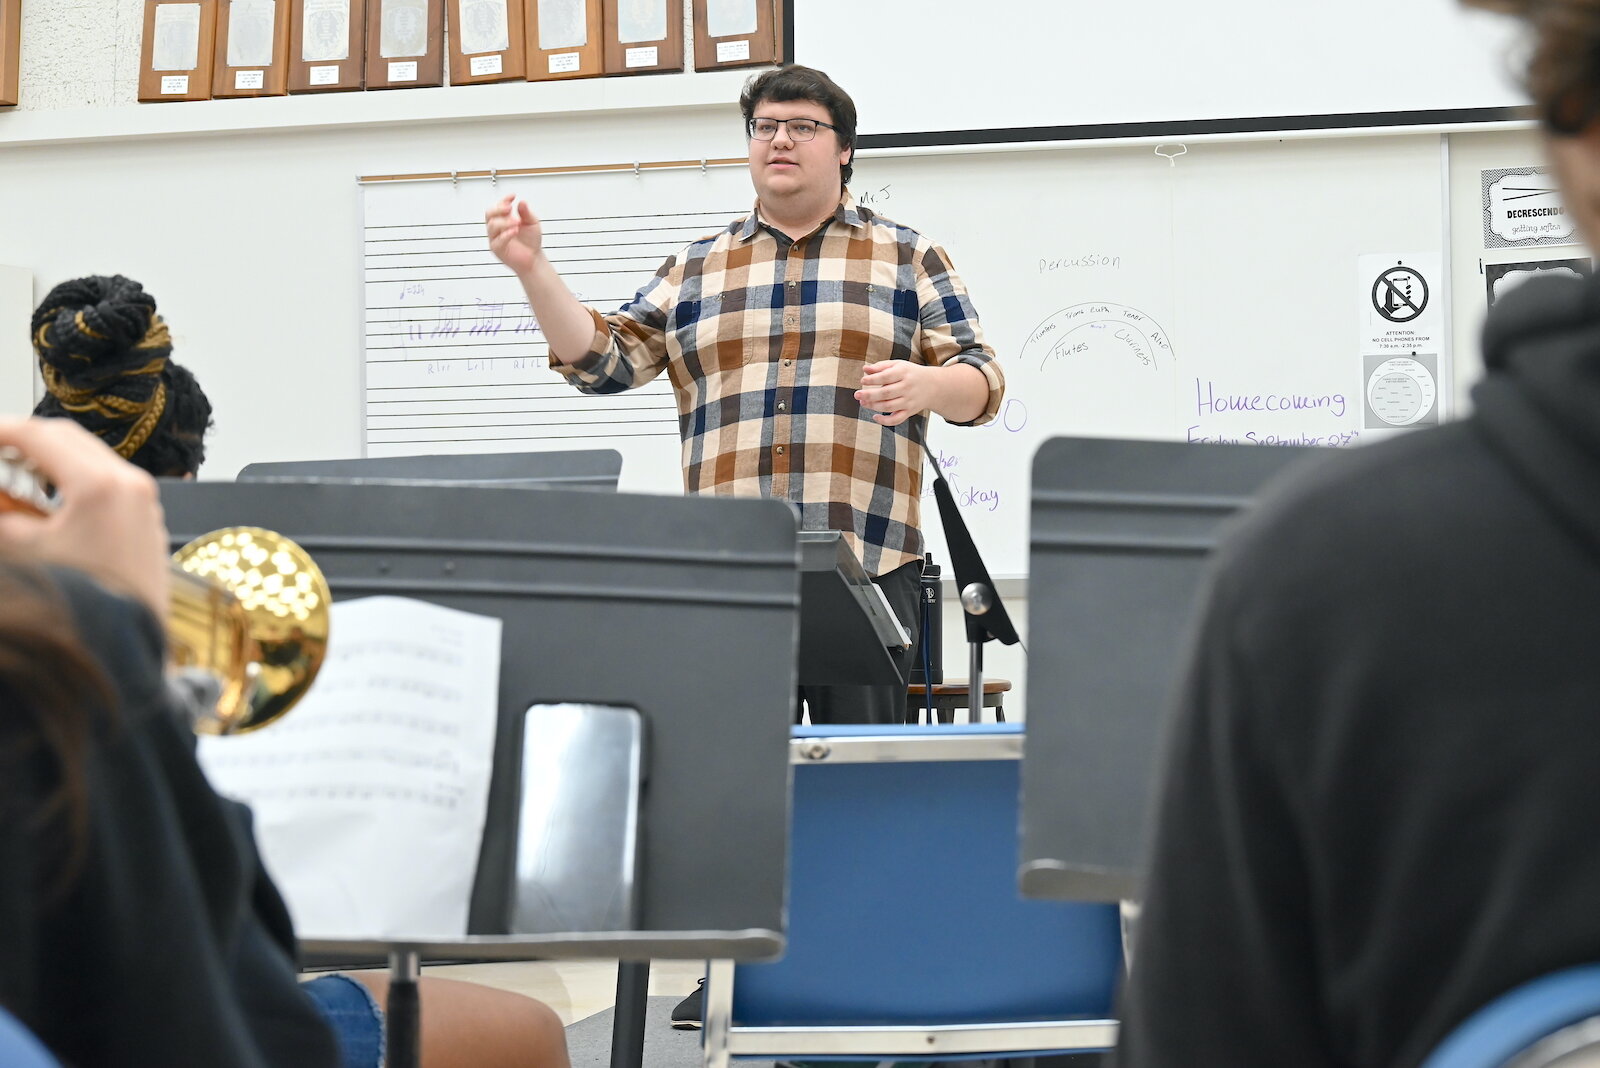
<point>1121,532</point>
<point>707,586</point>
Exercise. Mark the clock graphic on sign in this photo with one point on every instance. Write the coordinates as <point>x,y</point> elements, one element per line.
<point>1400,391</point>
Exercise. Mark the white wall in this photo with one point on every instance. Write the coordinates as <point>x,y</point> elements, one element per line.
<point>80,53</point>
<point>16,355</point>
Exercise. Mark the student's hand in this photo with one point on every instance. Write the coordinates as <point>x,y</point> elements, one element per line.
<point>110,522</point>
<point>899,389</point>
<point>514,234</point>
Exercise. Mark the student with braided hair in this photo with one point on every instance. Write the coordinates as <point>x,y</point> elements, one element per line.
<point>106,358</point>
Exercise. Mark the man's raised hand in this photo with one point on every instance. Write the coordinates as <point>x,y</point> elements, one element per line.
<point>514,234</point>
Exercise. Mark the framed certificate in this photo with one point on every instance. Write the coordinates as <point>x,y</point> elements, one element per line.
<point>565,39</point>
<point>327,45</point>
<point>487,41</point>
<point>405,44</point>
<point>252,48</point>
<point>643,36</point>
<point>10,50</point>
<point>736,33</point>
<point>180,38</point>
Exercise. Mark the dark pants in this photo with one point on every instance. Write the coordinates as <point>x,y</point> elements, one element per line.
<point>902,587</point>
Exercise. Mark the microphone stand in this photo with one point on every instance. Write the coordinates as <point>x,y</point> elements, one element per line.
<point>984,612</point>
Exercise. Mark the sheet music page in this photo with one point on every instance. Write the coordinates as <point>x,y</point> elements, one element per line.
<point>370,795</point>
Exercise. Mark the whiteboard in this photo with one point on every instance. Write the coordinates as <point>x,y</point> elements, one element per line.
<point>1155,67</point>
<point>1125,295</point>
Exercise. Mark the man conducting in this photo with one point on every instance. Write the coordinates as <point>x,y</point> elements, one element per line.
<point>805,342</point>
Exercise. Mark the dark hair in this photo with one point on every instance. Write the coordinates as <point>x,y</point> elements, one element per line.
<point>1563,64</point>
<point>106,358</point>
<point>795,82</point>
<point>50,690</point>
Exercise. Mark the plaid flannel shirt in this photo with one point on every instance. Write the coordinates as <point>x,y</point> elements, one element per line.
<point>765,339</point>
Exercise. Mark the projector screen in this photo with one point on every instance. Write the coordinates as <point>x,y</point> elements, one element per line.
<point>961,71</point>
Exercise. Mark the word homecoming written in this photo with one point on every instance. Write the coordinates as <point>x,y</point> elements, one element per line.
<point>1211,402</point>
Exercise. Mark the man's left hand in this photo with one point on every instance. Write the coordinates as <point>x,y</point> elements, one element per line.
<point>898,389</point>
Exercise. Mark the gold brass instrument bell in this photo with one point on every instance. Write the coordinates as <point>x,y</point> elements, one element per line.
<point>249,607</point>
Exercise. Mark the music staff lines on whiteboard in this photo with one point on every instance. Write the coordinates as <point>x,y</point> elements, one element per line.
<point>716,218</point>
<point>673,237</point>
<point>454,355</point>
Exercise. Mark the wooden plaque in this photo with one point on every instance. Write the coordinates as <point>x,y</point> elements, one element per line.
<point>10,50</point>
<point>736,33</point>
<point>566,39</point>
<point>252,48</point>
<point>333,33</point>
<point>405,44</point>
<point>487,41</point>
<point>631,42</point>
<point>180,38</point>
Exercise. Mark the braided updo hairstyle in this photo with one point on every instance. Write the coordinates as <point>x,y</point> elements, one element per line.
<point>106,360</point>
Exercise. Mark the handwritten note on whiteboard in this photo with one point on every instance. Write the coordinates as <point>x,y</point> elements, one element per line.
<point>370,795</point>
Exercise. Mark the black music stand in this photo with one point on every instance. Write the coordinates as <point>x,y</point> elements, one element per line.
<point>683,608</point>
<point>846,627</point>
<point>982,609</point>
<point>1120,535</point>
<point>591,469</point>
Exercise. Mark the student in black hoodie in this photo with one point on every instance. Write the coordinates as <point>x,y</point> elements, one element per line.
<point>1378,809</point>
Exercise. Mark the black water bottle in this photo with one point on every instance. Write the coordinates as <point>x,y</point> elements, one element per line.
<point>927,667</point>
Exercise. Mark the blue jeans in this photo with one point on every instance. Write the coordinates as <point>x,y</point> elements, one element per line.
<point>353,1013</point>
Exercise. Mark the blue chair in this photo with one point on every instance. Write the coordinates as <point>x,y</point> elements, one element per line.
<point>18,1047</point>
<point>1549,1021</point>
<point>908,938</point>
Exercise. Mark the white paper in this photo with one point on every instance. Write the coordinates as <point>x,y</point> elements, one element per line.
<point>250,32</point>
<point>1524,207</point>
<point>640,57</point>
<point>370,795</point>
<point>323,75</point>
<point>1401,303</point>
<point>729,18</point>
<point>482,65</point>
<point>730,51</point>
<point>1400,391</point>
<point>325,32</point>
<point>177,39</point>
<point>404,30</point>
<point>562,24</point>
<point>565,62</point>
<point>641,20</point>
<point>174,84</point>
<point>249,79</point>
<point>484,27</point>
<point>403,72</point>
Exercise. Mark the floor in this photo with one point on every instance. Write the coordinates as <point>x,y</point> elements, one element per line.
<point>574,989</point>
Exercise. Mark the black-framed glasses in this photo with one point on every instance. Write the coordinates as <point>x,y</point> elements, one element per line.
<point>799,129</point>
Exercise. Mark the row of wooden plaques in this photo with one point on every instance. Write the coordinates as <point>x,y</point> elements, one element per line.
<point>200,49</point>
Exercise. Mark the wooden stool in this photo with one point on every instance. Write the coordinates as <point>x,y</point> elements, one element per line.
<point>951,695</point>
